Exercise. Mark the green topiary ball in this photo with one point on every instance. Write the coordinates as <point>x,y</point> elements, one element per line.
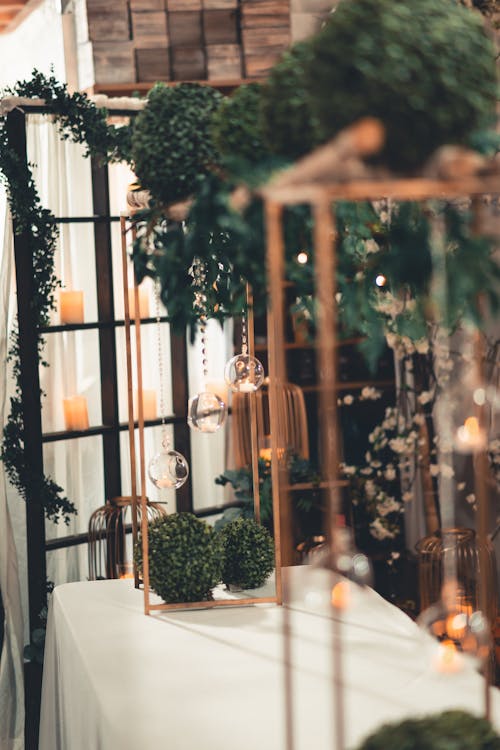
<point>171,143</point>
<point>289,128</point>
<point>248,553</point>
<point>450,730</point>
<point>236,127</point>
<point>425,68</point>
<point>185,558</point>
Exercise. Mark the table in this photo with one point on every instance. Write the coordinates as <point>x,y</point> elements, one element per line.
<point>115,679</point>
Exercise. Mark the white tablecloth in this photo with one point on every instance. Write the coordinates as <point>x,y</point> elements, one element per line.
<point>115,679</point>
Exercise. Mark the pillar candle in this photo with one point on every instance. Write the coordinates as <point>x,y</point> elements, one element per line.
<point>75,413</point>
<point>70,306</point>
<point>148,404</point>
<point>143,303</point>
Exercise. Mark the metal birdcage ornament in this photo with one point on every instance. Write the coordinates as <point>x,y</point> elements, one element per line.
<point>109,526</point>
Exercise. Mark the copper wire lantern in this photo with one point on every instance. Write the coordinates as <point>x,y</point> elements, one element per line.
<point>108,529</point>
<point>467,551</point>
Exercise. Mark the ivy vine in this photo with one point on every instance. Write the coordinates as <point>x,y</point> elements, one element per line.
<point>80,121</point>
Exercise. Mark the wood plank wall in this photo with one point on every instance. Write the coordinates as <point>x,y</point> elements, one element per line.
<point>180,40</point>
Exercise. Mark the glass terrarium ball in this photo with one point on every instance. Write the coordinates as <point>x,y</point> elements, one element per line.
<point>168,469</point>
<point>244,374</point>
<point>206,412</point>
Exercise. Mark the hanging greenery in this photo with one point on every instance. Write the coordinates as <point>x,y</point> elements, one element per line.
<point>425,70</point>
<point>80,121</point>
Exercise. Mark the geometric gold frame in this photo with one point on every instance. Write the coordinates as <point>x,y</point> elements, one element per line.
<point>139,498</point>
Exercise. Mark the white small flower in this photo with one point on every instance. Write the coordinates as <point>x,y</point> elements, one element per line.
<point>390,473</point>
<point>422,346</point>
<point>384,217</point>
<point>398,445</point>
<point>471,499</point>
<point>447,471</point>
<point>419,420</point>
<point>349,471</point>
<point>371,246</point>
<point>461,486</point>
<point>434,469</point>
<point>370,489</point>
<point>367,471</point>
<point>369,393</point>
<point>424,397</point>
<point>407,496</point>
<point>348,400</point>
<point>395,555</point>
<point>389,505</point>
<point>359,276</point>
<point>379,531</point>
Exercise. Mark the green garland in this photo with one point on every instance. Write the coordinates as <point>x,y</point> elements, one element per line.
<point>80,121</point>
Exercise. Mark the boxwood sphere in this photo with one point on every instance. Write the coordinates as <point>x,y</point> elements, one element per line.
<point>236,125</point>
<point>425,68</point>
<point>288,125</point>
<point>450,729</point>
<point>248,553</point>
<point>185,558</point>
<point>171,143</point>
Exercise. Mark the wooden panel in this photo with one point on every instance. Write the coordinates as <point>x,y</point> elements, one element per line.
<point>265,7</point>
<point>149,29</point>
<point>188,64</point>
<point>219,4</point>
<point>147,5</point>
<point>256,39</point>
<point>114,62</point>
<point>183,5</point>
<point>153,64</point>
<point>259,65</point>
<point>220,26</point>
<point>224,61</point>
<point>185,29</point>
<point>108,23</point>
<point>254,20</point>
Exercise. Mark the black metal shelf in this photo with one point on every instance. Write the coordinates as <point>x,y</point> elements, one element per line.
<point>53,437</point>
<point>97,325</point>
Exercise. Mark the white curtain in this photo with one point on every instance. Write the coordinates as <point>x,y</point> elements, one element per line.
<point>11,660</point>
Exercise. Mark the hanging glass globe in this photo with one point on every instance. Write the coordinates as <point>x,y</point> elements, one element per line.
<point>244,374</point>
<point>168,469</point>
<point>461,634</point>
<point>206,412</point>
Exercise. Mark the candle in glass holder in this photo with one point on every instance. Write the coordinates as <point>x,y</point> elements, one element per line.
<point>71,306</point>
<point>149,409</point>
<point>75,413</point>
<point>143,303</point>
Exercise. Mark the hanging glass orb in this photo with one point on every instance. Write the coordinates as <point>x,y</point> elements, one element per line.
<point>462,635</point>
<point>244,374</point>
<point>168,469</point>
<point>206,412</point>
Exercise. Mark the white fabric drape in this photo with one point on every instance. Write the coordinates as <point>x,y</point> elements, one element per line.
<point>11,659</point>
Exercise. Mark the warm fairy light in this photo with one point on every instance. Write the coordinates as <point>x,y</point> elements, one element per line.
<point>341,595</point>
<point>302,258</point>
<point>381,280</point>
<point>265,454</point>
<point>448,659</point>
<point>470,435</point>
<point>456,625</point>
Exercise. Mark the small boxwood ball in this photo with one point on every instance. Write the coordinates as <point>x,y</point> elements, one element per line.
<point>236,125</point>
<point>185,558</point>
<point>171,142</point>
<point>248,553</point>
<point>425,68</point>
<point>288,125</point>
<point>449,730</point>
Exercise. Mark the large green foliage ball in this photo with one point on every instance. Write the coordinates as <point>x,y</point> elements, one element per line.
<point>450,730</point>
<point>185,558</point>
<point>425,68</point>
<point>171,142</point>
<point>288,125</point>
<point>236,126</point>
<point>248,553</point>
